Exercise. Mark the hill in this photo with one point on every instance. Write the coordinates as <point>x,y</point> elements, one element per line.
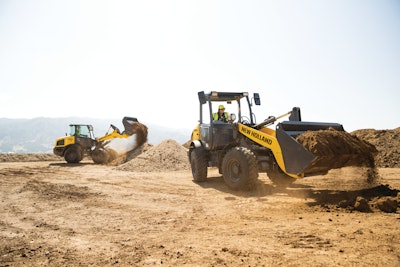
<point>37,135</point>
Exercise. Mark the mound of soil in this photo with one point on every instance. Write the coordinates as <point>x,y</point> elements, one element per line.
<point>379,198</point>
<point>387,142</point>
<point>28,157</point>
<point>168,155</point>
<point>337,145</point>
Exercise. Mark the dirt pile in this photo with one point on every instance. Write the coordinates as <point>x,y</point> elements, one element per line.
<point>168,155</point>
<point>387,142</point>
<point>376,199</point>
<point>28,157</point>
<point>340,146</point>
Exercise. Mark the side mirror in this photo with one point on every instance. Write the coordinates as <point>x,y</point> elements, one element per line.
<point>202,97</point>
<point>257,99</point>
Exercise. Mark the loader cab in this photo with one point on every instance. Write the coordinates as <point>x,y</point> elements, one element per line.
<point>81,131</point>
<point>74,145</point>
<point>83,134</point>
<point>218,134</point>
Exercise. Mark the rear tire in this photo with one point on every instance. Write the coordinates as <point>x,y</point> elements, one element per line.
<point>239,169</point>
<point>73,154</point>
<point>199,165</point>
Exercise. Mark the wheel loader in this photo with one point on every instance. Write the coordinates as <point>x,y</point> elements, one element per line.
<point>82,142</point>
<point>242,148</point>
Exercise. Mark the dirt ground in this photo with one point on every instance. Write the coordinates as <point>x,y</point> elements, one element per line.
<point>55,214</point>
<point>145,210</point>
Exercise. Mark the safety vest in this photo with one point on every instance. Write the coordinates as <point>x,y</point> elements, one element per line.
<point>223,118</point>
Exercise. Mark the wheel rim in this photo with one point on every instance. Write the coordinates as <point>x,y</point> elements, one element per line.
<point>234,170</point>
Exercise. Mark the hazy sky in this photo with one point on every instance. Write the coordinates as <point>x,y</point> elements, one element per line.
<point>339,61</point>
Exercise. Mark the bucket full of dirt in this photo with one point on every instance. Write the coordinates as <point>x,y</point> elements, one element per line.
<point>336,149</point>
<point>316,151</point>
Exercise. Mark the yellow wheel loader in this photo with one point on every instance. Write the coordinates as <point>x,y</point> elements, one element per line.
<point>241,147</point>
<point>81,142</point>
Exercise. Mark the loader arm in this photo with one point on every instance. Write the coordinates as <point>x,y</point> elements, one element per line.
<point>112,133</point>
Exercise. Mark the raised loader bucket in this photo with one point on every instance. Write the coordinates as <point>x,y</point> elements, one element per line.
<point>313,148</point>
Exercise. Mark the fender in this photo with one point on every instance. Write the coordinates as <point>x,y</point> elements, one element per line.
<point>196,144</point>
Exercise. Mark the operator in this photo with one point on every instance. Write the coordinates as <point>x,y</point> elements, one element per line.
<point>78,131</point>
<point>221,115</point>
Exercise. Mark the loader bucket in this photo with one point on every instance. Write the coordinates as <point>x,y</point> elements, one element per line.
<point>313,148</point>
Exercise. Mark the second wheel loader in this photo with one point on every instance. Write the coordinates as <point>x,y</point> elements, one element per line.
<point>81,142</point>
<point>241,148</point>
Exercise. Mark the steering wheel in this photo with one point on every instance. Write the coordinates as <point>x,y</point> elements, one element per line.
<point>244,120</point>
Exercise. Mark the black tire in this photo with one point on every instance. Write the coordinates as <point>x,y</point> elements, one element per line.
<point>278,177</point>
<point>199,164</point>
<point>239,169</point>
<point>73,154</point>
<point>100,156</point>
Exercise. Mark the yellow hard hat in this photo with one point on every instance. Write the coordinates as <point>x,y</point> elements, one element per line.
<point>221,107</point>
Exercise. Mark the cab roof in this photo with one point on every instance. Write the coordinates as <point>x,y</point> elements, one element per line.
<point>225,96</point>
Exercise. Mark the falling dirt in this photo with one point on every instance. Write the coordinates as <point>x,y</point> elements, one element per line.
<point>117,150</point>
<point>141,132</point>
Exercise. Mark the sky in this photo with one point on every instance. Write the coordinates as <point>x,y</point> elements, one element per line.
<point>338,60</point>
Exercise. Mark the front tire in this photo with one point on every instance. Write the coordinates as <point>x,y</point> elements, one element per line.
<point>239,169</point>
<point>198,163</point>
<point>100,156</point>
<point>73,154</point>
